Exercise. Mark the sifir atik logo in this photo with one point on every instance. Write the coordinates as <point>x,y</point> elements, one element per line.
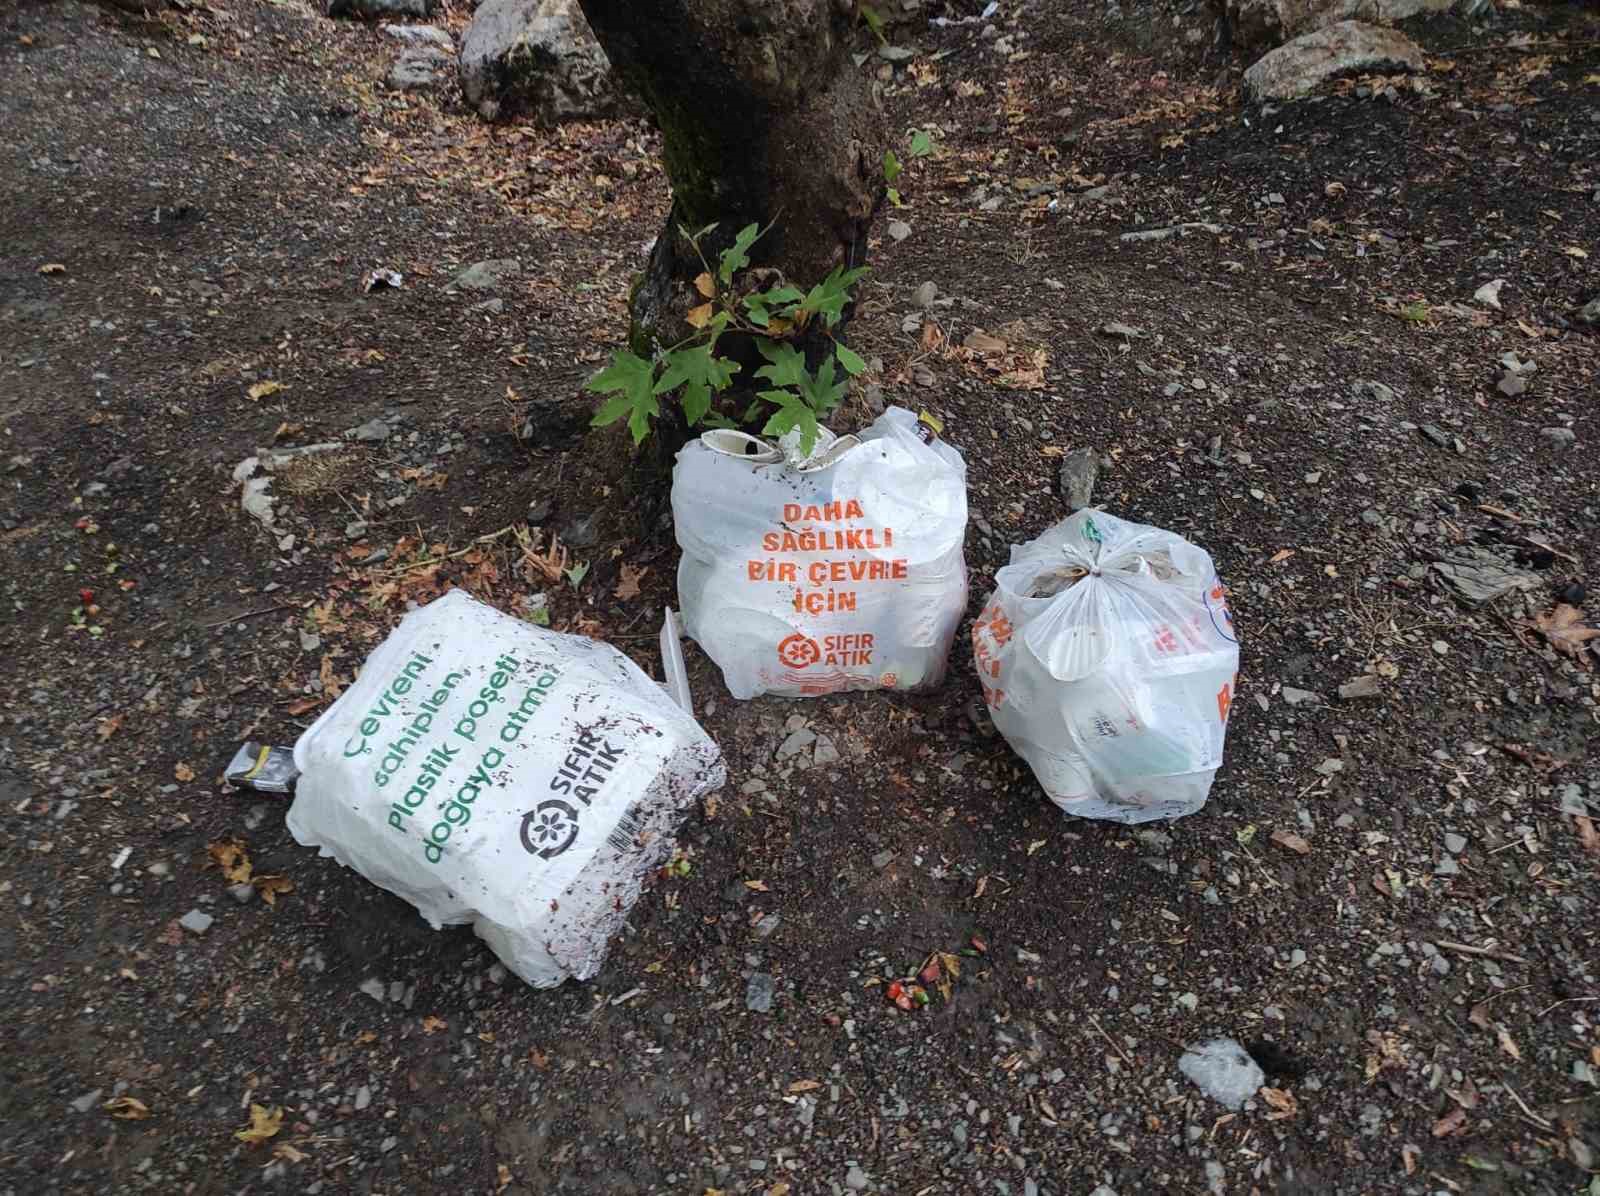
<point>549,828</point>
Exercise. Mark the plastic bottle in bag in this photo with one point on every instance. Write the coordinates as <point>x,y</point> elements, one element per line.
<point>1108,660</point>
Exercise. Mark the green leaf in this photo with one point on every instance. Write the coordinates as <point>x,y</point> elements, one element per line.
<point>577,573</point>
<point>751,411</point>
<point>873,18</point>
<point>788,365</point>
<point>854,364</point>
<point>735,257</point>
<point>921,145</point>
<point>629,380</point>
<point>894,197</point>
<point>715,419</point>
<point>696,402</point>
<point>820,391</point>
<point>891,166</point>
<point>793,412</point>
<point>829,296</point>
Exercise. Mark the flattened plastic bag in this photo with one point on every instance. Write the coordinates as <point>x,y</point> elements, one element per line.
<point>492,772</point>
<point>841,571</point>
<point>1108,661</point>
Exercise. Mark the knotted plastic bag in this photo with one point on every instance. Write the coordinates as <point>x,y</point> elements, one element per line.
<point>1108,661</point>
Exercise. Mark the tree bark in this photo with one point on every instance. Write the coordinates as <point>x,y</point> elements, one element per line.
<point>764,119</point>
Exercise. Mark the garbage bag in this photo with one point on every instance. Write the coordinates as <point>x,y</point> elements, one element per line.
<point>1108,661</point>
<point>492,772</point>
<point>842,570</point>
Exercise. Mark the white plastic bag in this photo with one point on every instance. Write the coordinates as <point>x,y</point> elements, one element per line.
<point>1108,660</point>
<point>841,571</point>
<point>492,772</point>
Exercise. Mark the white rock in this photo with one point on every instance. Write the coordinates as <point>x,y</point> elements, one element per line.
<point>1223,1071</point>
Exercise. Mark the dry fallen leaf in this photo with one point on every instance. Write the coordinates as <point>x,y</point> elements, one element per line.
<point>430,1024</point>
<point>1291,841</point>
<point>699,317</point>
<point>230,855</point>
<point>984,344</point>
<point>184,773</point>
<point>502,1175</point>
<point>331,685</point>
<point>1565,630</point>
<point>270,886</point>
<point>805,1086</point>
<point>288,1153</point>
<point>264,1124</point>
<point>1280,556</point>
<point>52,268</point>
<point>262,389</point>
<point>628,587</point>
<point>1450,1123</point>
<point>1507,1044</point>
<point>706,285</point>
<point>127,1108</point>
<point>1282,1103</point>
<point>758,886</point>
<point>109,726</point>
<point>1586,833</point>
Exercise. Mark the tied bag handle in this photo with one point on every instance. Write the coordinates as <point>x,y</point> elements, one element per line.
<point>829,451</point>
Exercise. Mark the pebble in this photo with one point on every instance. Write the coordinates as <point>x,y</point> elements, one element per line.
<point>759,992</point>
<point>363,1097</point>
<point>797,742</point>
<point>825,752</point>
<point>855,1179</point>
<point>1365,686</point>
<point>196,921</point>
<point>1436,434</point>
<point>242,893</point>
<point>926,294</point>
<point>1455,844</point>
<point>374,989</point>
<point>88,1100</point>
<point>883,859</point>
<point>1299,697</point>
<point>355,529</point>
<point>1560,437</point>
<point>1079,469</point>
<point>373,431</point>
<point>1441,648</point>
<point>899,230</point>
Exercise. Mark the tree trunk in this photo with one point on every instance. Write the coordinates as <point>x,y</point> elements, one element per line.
<point>765,120</point>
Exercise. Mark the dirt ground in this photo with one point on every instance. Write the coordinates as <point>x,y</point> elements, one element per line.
<point>1391,900</point>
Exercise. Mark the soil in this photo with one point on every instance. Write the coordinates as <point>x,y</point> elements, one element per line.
<point>1390,900</point>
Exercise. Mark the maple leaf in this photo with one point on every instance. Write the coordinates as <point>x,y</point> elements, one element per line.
<point>264,1123</point>
<point>1565,631</point>
<point>231,857</point>
<point>628,587</point>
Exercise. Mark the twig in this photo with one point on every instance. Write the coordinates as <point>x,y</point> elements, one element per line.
<point>1502,993</point>
<point>267,610</point>
<point>1502,47</point>
<point>450,556</point>
<point>1485,952</point>
<point>1112,1041</point>
<point>1567,1001</point>
<point>1532,1116</point>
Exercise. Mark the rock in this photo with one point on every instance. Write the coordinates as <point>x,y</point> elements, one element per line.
<point>899,230</point>
<point>1589,313</point>
<point>1455,844</point>
<point>1150,234</point>
<point>363,1098</point>
<point>485,276</point>
<point>1300,67</point>
<point>1299,697</point>
<point>1436,434</point>
<point>355,529</point>
<point>797,742</point>
<point>242,893</point>
<point>925,295</point>
<point>1258,23</point>
<point>883,859</point>
<point>824,752</point>
<point>1223,1071</point>
<point>387,9</point>
<point>1365,686</point>
<point>374,989</point>
<point>896,53</point>
<point>582,532</point>
<point>1560,437</point>
<point>1115,328</point>
<point>196,921</point>
<point>855,1179</point>
<point>1367,388</point>
<point>489,307</point>
<point>374,431</point>
<point>759,992</point>
<point>421,35</point>
<point>538,57</point>
<point>1477,576</point>
<point>1079,469</point>
<point>88,1100</point>
<point>1489,293</point>
<point>417,68</point>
